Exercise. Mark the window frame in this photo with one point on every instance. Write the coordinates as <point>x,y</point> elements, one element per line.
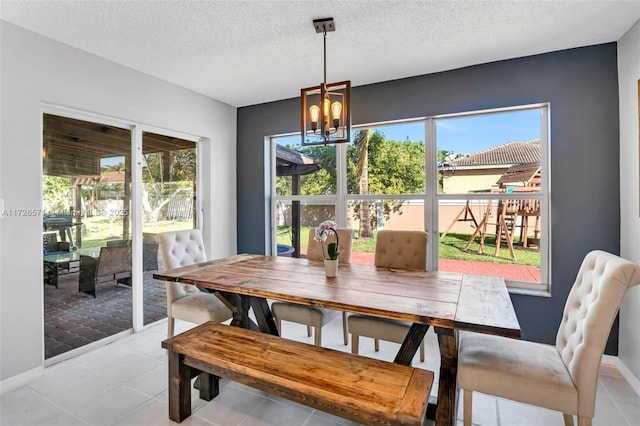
<point>431,197</point>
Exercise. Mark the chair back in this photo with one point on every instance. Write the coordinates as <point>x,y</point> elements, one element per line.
<point>401,249</point>
<point>591,308</point>
<point>180,248</point>
<point>114,262</point>
<point>345,240</point>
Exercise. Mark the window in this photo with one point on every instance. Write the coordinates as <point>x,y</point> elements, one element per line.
<point>477,182</point>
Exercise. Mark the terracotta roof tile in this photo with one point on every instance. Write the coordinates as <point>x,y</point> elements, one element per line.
<point>509,153</point>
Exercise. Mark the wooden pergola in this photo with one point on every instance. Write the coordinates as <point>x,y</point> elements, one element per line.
<point>74,148</point>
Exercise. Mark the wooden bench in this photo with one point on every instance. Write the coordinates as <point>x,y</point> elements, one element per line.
<point>361,389</point>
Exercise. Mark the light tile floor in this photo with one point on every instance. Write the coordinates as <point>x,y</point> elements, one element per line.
<point>125,383</point>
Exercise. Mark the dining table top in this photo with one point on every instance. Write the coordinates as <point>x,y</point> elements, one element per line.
<point>442,299</point>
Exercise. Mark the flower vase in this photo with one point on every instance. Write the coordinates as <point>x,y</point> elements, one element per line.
<point>331,267</point>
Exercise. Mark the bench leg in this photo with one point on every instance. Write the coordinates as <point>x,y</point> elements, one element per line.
<point>179,388</point>
<point>209,386</point>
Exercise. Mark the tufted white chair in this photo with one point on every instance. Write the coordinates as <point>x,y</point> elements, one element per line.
<point>561,377</point>
<point>313,316</point>
<point>184,301</point>
<point>399,250</point>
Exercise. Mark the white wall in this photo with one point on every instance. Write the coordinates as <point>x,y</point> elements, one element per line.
<point>35,69</point>
<point>629,73</point>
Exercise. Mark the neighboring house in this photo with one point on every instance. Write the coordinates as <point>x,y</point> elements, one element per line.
<point>488,169</point>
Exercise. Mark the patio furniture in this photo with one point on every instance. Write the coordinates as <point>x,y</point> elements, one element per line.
<point>50,243</point>
<point>313,316</point>
<point>113,264</point>
<point>58,263</point>
<point>184,301</point>
<point>394,249</point>
<point>561,377</point>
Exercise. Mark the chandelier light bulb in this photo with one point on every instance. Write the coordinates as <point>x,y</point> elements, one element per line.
<point>314,113</point>
<point>336,111</point>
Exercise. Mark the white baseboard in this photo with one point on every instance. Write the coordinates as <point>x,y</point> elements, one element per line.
<point>23,379</point>
<point>610,360</point>
<point>20,380</point>
<point>628,375</point>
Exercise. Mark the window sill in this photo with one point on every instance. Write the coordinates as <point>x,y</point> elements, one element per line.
<point>529,291</point>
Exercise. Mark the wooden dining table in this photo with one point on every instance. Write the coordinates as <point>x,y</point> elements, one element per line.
<point>448,301</point>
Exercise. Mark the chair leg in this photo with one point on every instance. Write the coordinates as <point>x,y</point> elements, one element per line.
<point>422,351</point>
<point>345,333</point>
<point>171,323</point>
<point>568,419</point>
<point>317,340</point>
<point>308,331</point>
<point>279,325</point>
<point>355,339</point>
<point>468,398</point>
<point>584,421</point>
<point>376,344</point>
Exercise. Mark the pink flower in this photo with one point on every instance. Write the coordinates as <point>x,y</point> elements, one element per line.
<point>321,234</point>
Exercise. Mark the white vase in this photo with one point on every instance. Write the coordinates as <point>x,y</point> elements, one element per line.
<point>331,267</point>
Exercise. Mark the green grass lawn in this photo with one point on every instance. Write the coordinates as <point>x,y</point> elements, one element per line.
<point>98,230</point>
<point>451,247</point>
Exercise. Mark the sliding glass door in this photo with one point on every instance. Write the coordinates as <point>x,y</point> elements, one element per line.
<point>90,233</point>
<point>169,189</point>
<point>86,200</point>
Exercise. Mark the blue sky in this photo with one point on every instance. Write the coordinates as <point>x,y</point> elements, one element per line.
<point>469,134</point>
<point>466,134</point>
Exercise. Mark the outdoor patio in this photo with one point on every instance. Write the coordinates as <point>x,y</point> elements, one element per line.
<point>73,319</point>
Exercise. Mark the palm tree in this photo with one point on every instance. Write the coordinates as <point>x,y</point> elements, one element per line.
<point>362,140</point>
<point>116,167</point>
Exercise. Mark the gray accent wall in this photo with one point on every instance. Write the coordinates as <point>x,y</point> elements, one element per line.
<point>581,86</point>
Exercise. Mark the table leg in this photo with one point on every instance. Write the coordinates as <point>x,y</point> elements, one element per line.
<point>51,273</point>
<point>446,410</point>
<point>264,316</point>
<point>233,302</point>
<point>411,344</point>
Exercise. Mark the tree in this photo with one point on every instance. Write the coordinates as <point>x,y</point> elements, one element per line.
<point>56,195</point>
<point>392,167</point>
<point>362,172</point>
<point>167,175</point>
<point>375,165</point>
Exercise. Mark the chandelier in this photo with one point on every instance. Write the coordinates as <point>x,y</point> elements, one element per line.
<point>326,109</point>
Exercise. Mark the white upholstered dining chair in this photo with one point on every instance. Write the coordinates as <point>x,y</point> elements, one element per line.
<point>311,316</point>
<point>399,250</point>
<point>184,301</point>
<point>561,377</point>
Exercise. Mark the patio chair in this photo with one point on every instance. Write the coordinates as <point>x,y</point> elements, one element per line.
<point>184,301</point>
<point>113,264</point>
<point>562,377</point>
<point>399,250</point>
<point>312,316</point>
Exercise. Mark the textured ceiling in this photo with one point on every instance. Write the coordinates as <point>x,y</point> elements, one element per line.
<point>249,52</point>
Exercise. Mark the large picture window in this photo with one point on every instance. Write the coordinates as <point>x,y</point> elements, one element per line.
<point>477,182</point>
